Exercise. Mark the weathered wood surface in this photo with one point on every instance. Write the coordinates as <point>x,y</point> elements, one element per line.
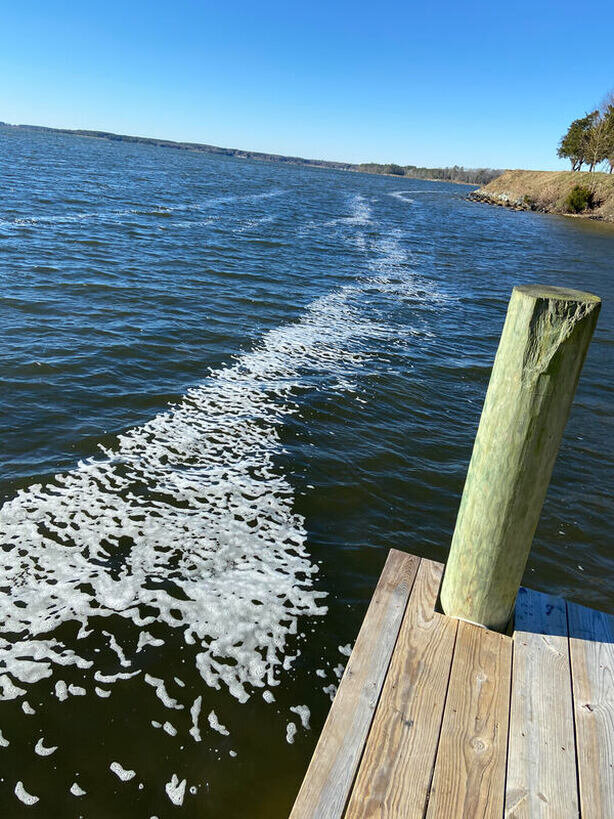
<point>469,771</point>
<point>469,722</point>
<point>326,787</point>
<point>543,345</point>
<point>591,641</point>
<point>541,771</point>
<point>396,769</point>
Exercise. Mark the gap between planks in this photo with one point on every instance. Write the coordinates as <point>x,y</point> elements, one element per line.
<point>469,722</point>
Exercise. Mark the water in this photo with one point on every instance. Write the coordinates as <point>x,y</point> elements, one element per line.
<point>227,389</point>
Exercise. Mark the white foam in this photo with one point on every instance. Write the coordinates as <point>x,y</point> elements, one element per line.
<point>175,790</point>
<point>170,729</point>
<point>119,213</point>
<point>76,790</point>
<point>8,689</point>
<point>4,743</point>
<point>102,692</point>
<point>161,692</point>
<point>22,794</point>
<point>43,750</point>
<point>195,713</point>
<point>145,639</point>
<point>303,712</point>
<point>115,646</point>
<point>187,524</point>
<point>76,690</point>
<point>216,725</point>
<point>346,650</point>
<point>27,708</point>
<point>290,732</point>
<point>111,678</point>
<point>122,773</point>
<point>268,696</point>
<point>404,196</point>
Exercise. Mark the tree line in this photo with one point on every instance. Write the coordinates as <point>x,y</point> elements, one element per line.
<point>590,139</point>
<point>454,173</point>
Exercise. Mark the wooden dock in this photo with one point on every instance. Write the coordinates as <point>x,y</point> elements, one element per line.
<point>437,717</point>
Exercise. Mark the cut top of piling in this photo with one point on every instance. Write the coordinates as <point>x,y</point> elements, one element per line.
<point>541,291</point>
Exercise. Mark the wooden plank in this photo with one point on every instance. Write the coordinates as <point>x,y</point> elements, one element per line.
<point>591,643</point>
<point>469,776</point>
<point>541,764</point>
<point>396,768</point>
<point>330,775</point>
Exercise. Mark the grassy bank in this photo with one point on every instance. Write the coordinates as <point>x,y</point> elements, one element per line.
<point>549,192</point>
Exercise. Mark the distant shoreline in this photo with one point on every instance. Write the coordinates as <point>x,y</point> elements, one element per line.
<point>455,174</point>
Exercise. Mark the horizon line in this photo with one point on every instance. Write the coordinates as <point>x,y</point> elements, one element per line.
<point>242,153</point>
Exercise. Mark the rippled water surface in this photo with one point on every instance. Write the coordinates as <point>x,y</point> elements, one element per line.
<point>227,389</point>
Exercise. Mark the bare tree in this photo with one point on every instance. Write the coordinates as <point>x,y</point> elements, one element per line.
<point>599,138</point>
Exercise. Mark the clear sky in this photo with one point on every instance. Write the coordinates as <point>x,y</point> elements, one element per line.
<point>429,83</point>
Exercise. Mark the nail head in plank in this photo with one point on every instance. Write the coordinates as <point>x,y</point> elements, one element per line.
<point>541,765</point>
<point>395,772</point>
<point>469,775</point>
<point>591,642</point>
<point>333,766</point>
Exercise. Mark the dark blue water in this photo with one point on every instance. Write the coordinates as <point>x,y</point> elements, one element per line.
<point>175,579</point>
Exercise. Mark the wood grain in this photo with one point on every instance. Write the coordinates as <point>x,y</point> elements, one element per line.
<point>533,380</point>
<point>396,768</point>
<point>541,765</point>
<point>469,775</point>
<point>326,787</point>
<point>591,643</point>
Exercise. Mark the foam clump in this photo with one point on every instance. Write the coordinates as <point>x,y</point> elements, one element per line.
<point>303,713</point>
<point>42,750</point>
<point>290,732</point>
<point>175,790</point>
<point>216,725</point>
<point>122,773</point>
<point>8,690</point>
<point>22,794</point>
<point>102,692</point>
<point>170,729</point>
<point>161,692</point>
<point>195,714</point>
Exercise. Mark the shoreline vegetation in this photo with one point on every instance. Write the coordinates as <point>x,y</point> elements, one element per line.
<point>455,173</point>
<point>570,193</point>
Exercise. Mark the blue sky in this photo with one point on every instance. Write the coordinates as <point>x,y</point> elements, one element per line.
<point>473,83</point>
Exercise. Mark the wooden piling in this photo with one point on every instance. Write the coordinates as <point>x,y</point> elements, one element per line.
<point>541,352</point>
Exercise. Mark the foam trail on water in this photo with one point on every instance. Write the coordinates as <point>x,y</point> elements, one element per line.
<point>403,196</point>
<point>154,210</point>
<point>186,526</point>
